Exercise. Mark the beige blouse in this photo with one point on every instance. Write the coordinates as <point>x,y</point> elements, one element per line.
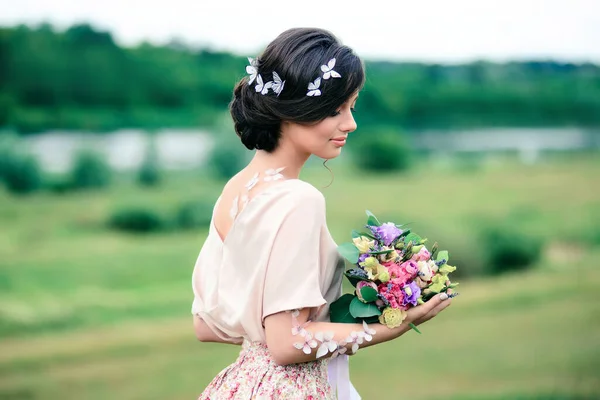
<point>277,256</point>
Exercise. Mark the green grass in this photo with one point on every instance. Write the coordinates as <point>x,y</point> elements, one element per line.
<point>86,313</point>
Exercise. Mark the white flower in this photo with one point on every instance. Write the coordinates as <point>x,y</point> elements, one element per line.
<point>328,71</point>
<point>252,70</point>
<point>308,344</point>
<point>277,84</point>
<point>327,343</point>
<point>313,88</point>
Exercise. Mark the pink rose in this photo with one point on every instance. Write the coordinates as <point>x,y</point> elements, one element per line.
<point>422,255</point>
<point>411,268</point>
<point>361,285</point>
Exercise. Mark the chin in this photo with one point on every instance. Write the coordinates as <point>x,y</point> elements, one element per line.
<point>329,154</point>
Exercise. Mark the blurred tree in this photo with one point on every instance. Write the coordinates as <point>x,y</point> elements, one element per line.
<point>81,79</point>
<point>90,171</point>
<point>382,150</point>
<point>21,173</point>
<point>149,173</point>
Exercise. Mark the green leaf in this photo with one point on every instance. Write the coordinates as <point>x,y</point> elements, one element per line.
<point>412,237</point>
<point>415,328</point>
<point>381,252</point>
<point>357,234</point>
<point>349,252</point>
<point>372,220</point>
<point>354,279</point>
<point>358,309</point>
<point>371,320</point>
<point>368,294</point>
<point>442,255</point>
<point>339,310</point>
<point>404,233</point>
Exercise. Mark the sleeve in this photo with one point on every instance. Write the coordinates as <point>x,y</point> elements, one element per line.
<point>292,279</point>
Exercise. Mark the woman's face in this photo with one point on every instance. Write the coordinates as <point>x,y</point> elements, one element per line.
<point>326,138</point>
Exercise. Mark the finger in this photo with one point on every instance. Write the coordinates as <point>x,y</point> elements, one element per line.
<point>440,307</point>
<point>434,302</point>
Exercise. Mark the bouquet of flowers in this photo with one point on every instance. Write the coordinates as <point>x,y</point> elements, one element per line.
<point>392,271</point>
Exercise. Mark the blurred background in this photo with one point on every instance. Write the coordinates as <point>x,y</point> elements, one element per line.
<point>479,125</point>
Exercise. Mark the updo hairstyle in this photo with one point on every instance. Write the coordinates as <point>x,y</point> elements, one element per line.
<point>296,55</point>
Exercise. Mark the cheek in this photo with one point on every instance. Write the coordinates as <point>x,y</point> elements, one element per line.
<point>316,135</point>
<point>325,130</point>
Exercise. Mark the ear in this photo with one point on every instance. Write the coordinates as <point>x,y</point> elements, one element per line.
<point>284,127</point>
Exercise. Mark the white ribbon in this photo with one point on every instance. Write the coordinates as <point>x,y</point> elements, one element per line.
<point>339,378</point>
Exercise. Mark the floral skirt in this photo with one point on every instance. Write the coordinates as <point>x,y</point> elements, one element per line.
<point>254,375</point>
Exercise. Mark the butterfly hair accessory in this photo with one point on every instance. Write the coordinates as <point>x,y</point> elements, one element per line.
<point>277,84</point>
<point>328,73</point>
<point>262,87</point>
<point>313,88</point>
<point>252,70</point>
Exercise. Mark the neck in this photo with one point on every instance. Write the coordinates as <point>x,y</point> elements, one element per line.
<point>284,156</point>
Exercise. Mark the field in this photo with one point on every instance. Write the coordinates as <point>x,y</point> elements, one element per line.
<point>88,313</point>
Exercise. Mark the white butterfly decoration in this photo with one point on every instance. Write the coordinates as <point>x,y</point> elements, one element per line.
<point>252,182</point>
<point>369,332</point>
<point>233,211</point>
<point>273,174</point>
<point>356,338</point>
<point>277,84</point>
<point>313,88</point>
<point>297,329</point>
<point>252,70</point>
<point>327,343</point>
<point>341,349</point>
<point>261,87</point>
<point>328,71</point>
<point>308,344</point>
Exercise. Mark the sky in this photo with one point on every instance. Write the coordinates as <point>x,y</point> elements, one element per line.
<point>429,31</point>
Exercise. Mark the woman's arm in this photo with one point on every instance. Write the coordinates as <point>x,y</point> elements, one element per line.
<point>285,343</point>
<point>205,334</point>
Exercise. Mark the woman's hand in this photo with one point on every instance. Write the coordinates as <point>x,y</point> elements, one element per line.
<point>424,312</point>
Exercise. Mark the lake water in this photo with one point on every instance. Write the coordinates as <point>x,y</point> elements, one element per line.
<point>124,149</point>
<point>186,149</point>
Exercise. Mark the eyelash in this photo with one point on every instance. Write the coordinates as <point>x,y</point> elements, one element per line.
<point>336,113</point>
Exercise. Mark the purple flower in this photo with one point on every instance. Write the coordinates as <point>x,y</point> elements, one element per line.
<point>412,293</point>
<point>386,233</point>
<point>358,272</point>
<point>363,257</point>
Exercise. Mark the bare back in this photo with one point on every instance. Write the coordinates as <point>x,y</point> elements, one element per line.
<point>238,192</point>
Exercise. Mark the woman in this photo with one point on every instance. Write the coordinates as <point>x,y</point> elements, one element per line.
<point>269,267</point>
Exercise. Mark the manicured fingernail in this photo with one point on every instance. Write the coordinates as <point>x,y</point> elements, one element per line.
<point>453,294</point>
<point>444,296</point>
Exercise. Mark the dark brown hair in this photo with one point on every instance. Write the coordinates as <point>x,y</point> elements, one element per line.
<point>296,55</point>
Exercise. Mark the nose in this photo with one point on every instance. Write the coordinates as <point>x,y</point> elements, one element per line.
<point>349,124</point>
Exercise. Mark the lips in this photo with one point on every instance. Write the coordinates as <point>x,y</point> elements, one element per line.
<point>339,141</point>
